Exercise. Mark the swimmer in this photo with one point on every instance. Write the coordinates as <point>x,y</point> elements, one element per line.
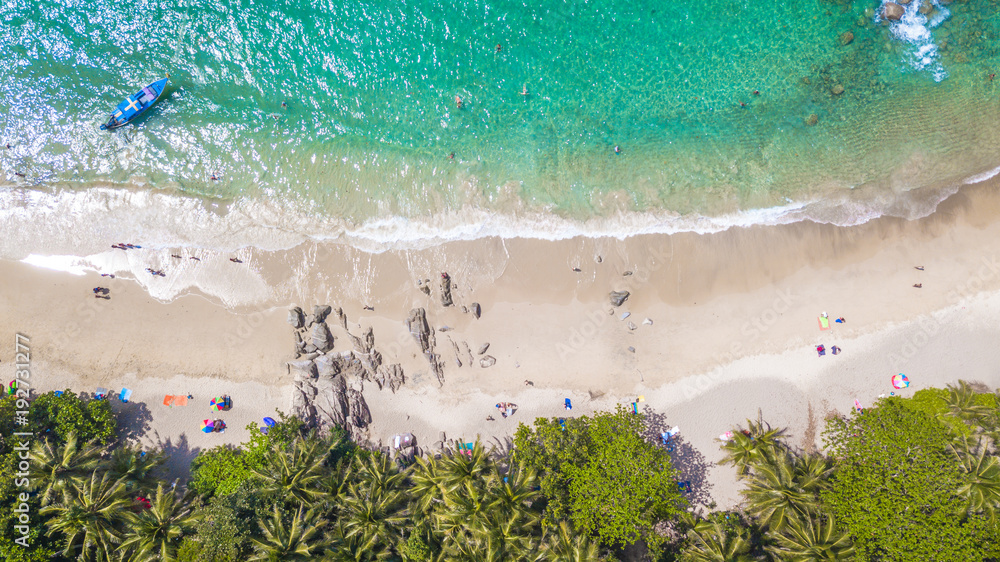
<point>214,177</point>
<point>451,156</point>
<point>743,105</point>
<point>235,260</point>
<point>283,104</point>
<point>458,101</point>
<point>175,256</point>
<point>617,150</point>
<point>524,90</point>
<point>499,47</point>
<point>756,92</point>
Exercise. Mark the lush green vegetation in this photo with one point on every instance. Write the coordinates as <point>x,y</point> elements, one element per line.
<point>909,479</point>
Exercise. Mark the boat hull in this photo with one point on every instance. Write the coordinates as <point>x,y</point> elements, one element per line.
<point>135,105</point>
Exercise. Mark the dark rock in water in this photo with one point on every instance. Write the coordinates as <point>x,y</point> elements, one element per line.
<point>309,348</point>
<point>465,309</point>
<point>484,347</point>
<point>476,310</point>
<point>619,297</point>
<point>341,317</point>
<point>893,11</point>
<point>458,352</point>
<point>812,119</point>
<point>926,7</point>
<point>903,2</point>
<point>446,290</point>
<point>837,90</point>
<point>296,318</point>
<point>321,337</point>
<point>846,38</point>
<point>426,289</point>
<point>487,361</point>
<point>320,312</point>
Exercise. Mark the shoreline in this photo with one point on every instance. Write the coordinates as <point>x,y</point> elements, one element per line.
<point>739,305</point>
<point>78,223</point>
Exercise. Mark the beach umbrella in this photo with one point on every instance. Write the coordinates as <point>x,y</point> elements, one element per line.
<point>208,426</point>
<point>900,381</point>
<point>217,403</point>
<point>12,388</point>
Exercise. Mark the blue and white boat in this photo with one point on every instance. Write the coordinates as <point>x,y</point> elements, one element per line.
<point>134,105</point>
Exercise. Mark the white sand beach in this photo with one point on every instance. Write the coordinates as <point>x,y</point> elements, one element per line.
<point>731,334</point>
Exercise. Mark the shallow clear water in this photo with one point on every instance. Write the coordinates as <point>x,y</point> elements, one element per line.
<point>371,116</point>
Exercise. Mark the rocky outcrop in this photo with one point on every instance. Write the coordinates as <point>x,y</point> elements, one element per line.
<point>416,323</point>
<point>321,337</point>
<point>812,119</point>
<point>893,11</point>
<point>446,290</point>
<point>487,361</point>
<point>477,310</point>
<point>296,318</point>
<point>320,312</point>
<point>328,385</point>
<point>619,297</point>
<point>484,347</point>
<point>846,38</point>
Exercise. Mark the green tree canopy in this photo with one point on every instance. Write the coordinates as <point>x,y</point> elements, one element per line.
<point>613,483</point>
<point>896,488</point>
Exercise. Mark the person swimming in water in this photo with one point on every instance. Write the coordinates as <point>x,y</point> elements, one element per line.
<point>458,101</point>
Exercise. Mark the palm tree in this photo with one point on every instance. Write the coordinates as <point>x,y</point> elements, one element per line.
<point>299,539</point>
<point>717,540</point>
<point>155,533</point>
<point>134,467</point>
<point>295,474</point>
<point>786,487</point>
<point>753,445</point>
<point>962,403</point>
<point>89,516</point>
<point>810,539</point>
<point>374,510</point>
<point>57,467</point>
<point>982,488</point>
<point>563,545</point>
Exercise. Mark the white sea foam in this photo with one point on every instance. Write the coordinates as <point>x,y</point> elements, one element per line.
<point>915,28</point>
<point>87,222</point>
<point>982,177</point>
<point>68,264</point>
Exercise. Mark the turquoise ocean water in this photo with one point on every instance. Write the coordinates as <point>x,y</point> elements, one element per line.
<point>362,150</point>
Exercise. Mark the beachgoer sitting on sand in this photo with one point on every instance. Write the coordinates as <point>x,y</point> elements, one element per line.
<point>820,350</point>
<point>840,320</point>
<point>918,285</point>
<point>235,260</point>
<point>835,350</point>
<point>918,267</point>
<point>175,256</point>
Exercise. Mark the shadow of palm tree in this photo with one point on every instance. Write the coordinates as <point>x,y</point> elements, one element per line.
<point>690,462</point>
<point>133,419</point>
<point>178,455</point>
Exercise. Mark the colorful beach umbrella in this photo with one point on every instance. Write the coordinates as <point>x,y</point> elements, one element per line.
<point>217,403</point>
<point>900,381</point>
<point>208,426</point>
<point>12,388</point>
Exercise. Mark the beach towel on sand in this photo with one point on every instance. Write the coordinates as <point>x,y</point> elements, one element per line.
<point>180,400</point>
<point>824,323</point>
<point>168,400</point>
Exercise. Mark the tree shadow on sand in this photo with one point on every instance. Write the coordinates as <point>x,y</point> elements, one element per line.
<point>133,419</point>
<point>689,462</point>
<point>178,455</point>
